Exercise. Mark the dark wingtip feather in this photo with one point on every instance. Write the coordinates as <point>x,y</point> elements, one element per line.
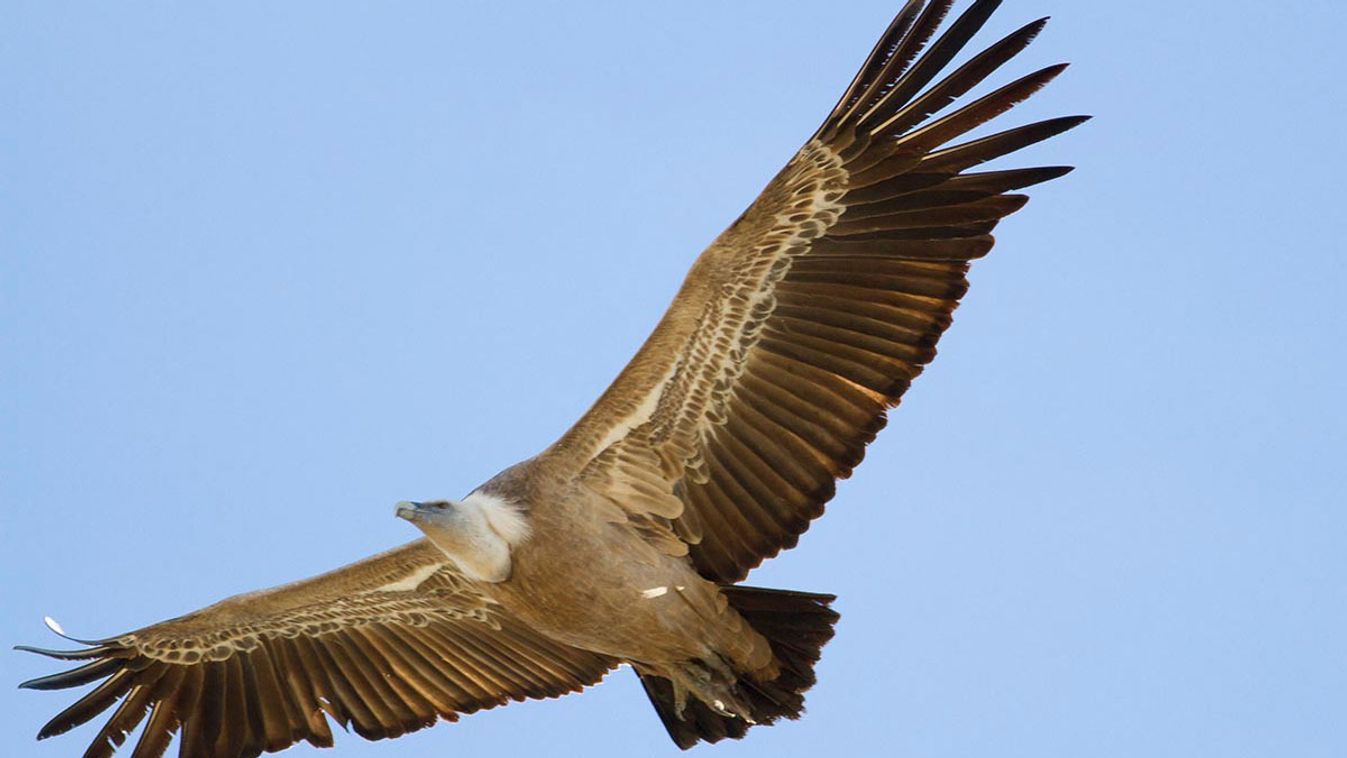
<point>922,70</point>
<point>67,655</point>
<point>1019,178</point>
<point>95,702</point>
<point>968,154</point>
<point>884,48</point>
<point>74,677</point>
<point>1032,29</point>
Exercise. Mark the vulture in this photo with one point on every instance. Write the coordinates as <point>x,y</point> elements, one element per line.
<point>626,540</point>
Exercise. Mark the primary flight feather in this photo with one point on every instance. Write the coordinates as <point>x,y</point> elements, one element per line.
<point>793,334</point>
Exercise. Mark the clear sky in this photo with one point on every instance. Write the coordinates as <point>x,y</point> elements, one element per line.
<point>267,268</point>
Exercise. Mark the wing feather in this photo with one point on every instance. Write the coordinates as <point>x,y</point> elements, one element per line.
<point>256,673</point>
<point>154,741</point>
<point>807,319</point>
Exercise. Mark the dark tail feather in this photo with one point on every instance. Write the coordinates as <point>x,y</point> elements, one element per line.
<point>698,723</point>
<point>797,624</point>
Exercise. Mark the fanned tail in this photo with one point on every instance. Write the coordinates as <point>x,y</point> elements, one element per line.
<point>797,625</point>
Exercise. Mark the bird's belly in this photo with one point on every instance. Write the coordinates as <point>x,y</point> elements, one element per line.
<point>628,601</point>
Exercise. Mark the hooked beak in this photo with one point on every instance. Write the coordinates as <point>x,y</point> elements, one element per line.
<point>408,510</point>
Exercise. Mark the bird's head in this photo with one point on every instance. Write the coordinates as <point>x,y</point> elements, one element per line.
<point>456,530</point>
<point>429,512</point>
<point>476,532</point>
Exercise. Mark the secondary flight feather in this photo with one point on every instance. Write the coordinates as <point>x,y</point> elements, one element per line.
<point>793,335</point>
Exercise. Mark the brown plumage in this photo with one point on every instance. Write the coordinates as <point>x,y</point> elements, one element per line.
<point>793,334</point>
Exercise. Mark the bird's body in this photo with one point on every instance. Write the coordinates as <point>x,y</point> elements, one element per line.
<point>584,577</point>
<point>608,606</point>
<point>626,540</point>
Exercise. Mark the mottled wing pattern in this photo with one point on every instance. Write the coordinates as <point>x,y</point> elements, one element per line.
<point>808,318</point>
<point>387,646</point>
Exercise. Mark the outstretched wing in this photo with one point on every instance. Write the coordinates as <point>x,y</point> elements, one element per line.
<point>810,316</point>
<point>387,645</point>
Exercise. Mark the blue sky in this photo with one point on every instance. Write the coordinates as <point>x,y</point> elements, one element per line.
<point>267,268</point>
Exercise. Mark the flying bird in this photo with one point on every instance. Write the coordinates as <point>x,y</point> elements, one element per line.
<point>626,539</point>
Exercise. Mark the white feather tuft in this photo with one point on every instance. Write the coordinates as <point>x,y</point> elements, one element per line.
<point>504,517</point>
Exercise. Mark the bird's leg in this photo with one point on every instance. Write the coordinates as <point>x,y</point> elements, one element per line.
<point>711,683</point>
